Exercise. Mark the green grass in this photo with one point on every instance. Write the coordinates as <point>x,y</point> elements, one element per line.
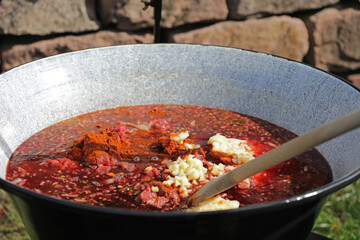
<point>11,227</point>
<point>339,219</point>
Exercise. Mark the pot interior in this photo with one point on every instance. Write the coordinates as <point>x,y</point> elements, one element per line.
<point>289,94</point>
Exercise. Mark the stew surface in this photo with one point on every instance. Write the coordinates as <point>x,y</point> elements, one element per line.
<point>153,157</point>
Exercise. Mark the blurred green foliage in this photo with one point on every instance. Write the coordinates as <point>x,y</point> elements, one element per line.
<point>340,217</point>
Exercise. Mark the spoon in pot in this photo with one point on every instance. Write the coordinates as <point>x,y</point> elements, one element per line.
<point>280,154</point>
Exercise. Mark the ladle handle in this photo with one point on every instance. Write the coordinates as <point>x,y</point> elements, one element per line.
<point>280,154</point>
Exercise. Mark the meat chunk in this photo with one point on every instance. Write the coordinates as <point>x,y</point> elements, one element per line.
<point>62,163</point>
<point>99,158</point>
<point>151,198</point>
<point>160,124</point>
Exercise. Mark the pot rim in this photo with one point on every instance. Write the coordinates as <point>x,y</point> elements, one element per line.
<point>309,196</point>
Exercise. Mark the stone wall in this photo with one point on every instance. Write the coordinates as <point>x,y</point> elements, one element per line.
<point>322,33</point>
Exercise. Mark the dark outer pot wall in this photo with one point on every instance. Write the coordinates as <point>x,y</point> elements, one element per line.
<point>54,221</point>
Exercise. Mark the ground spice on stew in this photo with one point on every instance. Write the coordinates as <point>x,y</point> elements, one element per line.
<point>170,146</point>
<point>95,147</point>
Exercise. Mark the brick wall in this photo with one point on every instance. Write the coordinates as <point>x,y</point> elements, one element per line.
<point>322,33</point>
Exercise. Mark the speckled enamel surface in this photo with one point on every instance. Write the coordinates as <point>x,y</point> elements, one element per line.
<point>289,94</point>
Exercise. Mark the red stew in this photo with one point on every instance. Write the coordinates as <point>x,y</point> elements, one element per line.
<point>103,158</point>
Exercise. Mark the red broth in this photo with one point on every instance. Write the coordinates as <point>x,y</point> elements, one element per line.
<point>132,174</point>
